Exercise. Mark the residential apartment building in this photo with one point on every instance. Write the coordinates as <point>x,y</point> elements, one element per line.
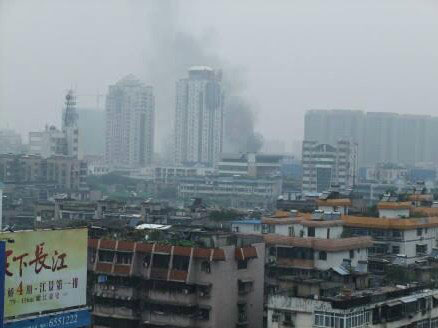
<point>199,117</point>
<point>63,172</point>
<point>10,142</point>
<point>385,307</point>
<point>232,191</point>
<point>50,142</point>
<point>138,284</point>
<point>381,137</point>
<point>251,164</point>
<point>130,112</point>
<point>172,174</point>
<point>326,166</point>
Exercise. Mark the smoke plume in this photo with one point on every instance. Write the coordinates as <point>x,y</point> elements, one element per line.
<point>171,53</point>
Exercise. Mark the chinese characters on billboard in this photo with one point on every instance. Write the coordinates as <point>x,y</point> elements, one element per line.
<point>45,270</point>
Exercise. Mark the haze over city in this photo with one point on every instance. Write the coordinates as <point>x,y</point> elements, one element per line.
<point>218,164</point>
<point>281,59</point>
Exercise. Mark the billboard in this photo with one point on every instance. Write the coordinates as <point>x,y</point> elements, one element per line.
<point>70,319</point>
<point>45,270</point>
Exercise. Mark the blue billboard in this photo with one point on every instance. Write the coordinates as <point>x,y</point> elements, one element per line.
<point>70,319</point>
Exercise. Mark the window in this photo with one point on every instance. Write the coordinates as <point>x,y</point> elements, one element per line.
<point>180,262</point>
<point>311,232</point>
<point>106,256</point>
<point>124,258</point>
<point>421,249</point>
<point>161,261</point>
<point>287,317</point>
<point>352,254</point>
<point>419,232</point>
<point>275,316</point>
<point>291,232</point>
<point>206,267</point>
<point>242,264</point>
<point>328,233</point>
<point>395,249</point>
<point>323,256</point>
<point>256,227</point>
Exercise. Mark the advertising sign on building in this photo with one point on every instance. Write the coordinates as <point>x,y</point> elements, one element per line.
<point>45,271</point>
<point>70,319</point>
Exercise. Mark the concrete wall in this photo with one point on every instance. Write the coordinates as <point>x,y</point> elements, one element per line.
<point>224,297</point>
<point>335,259</point>
<point>393,213</point>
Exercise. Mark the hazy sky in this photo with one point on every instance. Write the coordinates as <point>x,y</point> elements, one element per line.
<point>375,55</point>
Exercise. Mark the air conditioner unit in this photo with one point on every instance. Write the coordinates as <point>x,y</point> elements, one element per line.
<point>201,294</point>
<point>185,291</point>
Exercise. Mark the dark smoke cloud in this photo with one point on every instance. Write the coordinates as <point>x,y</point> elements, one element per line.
<point>172,51</point>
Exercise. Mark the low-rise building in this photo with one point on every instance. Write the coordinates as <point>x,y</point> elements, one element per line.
<point>65,173</point>
<point>325,165</point>
<point>309,254</point>
<point>386,307</point>
<point>232,191</point>
<point>251,164</point>
<point>10,142</point>
<point>404,240</point>
<point>138,284</point>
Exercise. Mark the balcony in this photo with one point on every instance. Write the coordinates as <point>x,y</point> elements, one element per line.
<point>183,298</point>
<point>114,311</point>
<point>168,319</point>
<point>296,263</point>
<point>119,292</point>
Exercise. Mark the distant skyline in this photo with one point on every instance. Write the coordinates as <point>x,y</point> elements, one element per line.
<point>287,57</point>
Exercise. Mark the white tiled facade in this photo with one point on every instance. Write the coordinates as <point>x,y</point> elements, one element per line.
<point>130,110</point>
<point>325,165</point>
<point>199,118</point>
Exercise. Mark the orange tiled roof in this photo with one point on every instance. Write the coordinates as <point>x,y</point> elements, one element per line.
<point>384,223</point>
<point>327,223</point>
<point>423,197</point>
<point>215,254</point>
<point>304,220</point>
<point>243,253</point>
<point>329,245</point>
<point>281,214</point>
<point>394,205</point>
<point>426,211</point>
<point>280,221</point>
<point>334,202</point>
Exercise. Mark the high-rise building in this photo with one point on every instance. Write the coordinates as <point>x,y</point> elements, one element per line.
<point>199,117</point>
<point>130,107</point>
<point>326,166</point>
<point>381,137</point>
<point>91,125</point>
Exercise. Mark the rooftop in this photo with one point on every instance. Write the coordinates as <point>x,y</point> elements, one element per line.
<point>388,224</point>
<point>329,245</point>
<point>334,202</point>
<point>394,205</point>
